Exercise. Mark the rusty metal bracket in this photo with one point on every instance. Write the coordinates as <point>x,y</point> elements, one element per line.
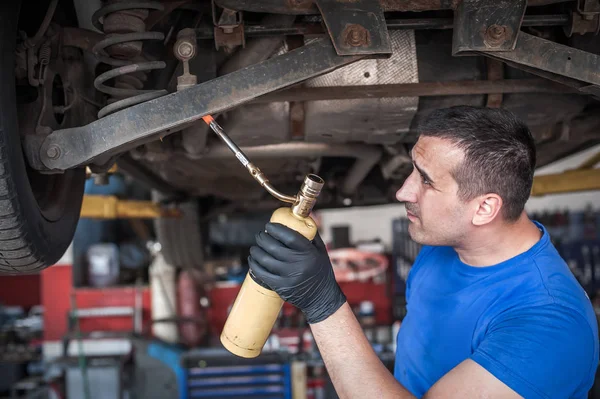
<point>228,28</point>
<point>128,128</point>
<point>495,72</point>
<point>487,25</point>
<point>307,7</point>
<point>588,8</point>
<point>547,56</point>
<point>585,18</point>
<point>359,29</point>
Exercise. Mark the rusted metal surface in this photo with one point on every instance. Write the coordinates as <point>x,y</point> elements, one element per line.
<point>496,35</point>
<point>272,6</point>
<point>118,17</point>
<point>228,28</point>
<point>284,29</point>
<point>81,38</point>
<point>487,25</point>
<point>359,29</point>
<point>295,7</point>
<point>418,5</point>
<point>371,120</point>
<point>297,112</point>
<point>585,18</point>
<point>307,7</point>
<point>156,16</point>
<point>124,26</point>
<point>546,56</point>
<point>144,122</point>
<point>229,37</point>
<point>355,35</point>
<point>260,48</point>
<point>422,89</point>
<point>537,3</point>
<point>588,8</point>
<point>581,25</point>
<point>495,72</point>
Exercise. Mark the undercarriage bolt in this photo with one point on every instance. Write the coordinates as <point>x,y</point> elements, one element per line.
<point>496,31</point>
<point>185,46</point>
<point>495,35</point>
<point>356,35</point>
<point>53,152</point>
<point>185,49</point>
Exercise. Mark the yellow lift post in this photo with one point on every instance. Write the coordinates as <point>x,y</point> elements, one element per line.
<point>583,178</point>
<point>111,207</point>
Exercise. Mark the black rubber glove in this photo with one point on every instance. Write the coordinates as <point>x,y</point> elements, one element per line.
<point>298,270</point>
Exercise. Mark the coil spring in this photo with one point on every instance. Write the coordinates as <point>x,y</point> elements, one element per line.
<point>45,53</point>
<point>123,51</point>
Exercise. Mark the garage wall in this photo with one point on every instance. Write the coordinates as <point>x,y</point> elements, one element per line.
<point>369,223</point>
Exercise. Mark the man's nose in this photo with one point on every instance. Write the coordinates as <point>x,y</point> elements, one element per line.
<point>407,192</point>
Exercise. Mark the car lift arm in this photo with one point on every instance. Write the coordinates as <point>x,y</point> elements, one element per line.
<point>116,133</point>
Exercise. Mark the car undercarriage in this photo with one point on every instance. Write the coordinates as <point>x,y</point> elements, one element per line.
<point>332,87</point>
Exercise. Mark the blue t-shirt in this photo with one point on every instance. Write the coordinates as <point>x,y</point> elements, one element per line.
<point>526,320</point>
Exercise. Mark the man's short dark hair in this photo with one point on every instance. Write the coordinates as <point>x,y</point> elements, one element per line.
<point>499,153</point>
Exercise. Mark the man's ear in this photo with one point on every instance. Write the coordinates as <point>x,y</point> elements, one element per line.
<point>488,208</point>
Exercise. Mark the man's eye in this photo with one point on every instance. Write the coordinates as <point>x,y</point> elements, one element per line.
<point>425,181</point>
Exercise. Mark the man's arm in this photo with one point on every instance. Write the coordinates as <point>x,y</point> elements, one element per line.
<point>357,372</point>
<point>353,366</point>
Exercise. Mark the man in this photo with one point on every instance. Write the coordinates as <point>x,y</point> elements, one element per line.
<point>493,311</point>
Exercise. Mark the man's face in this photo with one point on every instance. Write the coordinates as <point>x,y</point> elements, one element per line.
<point>436,213</point>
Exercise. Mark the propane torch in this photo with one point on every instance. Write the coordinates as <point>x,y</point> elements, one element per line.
<point>256,307</point>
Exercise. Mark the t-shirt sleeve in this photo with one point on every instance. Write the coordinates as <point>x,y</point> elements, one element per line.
<point>540,352</point>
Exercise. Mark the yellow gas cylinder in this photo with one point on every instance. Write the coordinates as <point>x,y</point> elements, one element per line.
<point>256,307</point>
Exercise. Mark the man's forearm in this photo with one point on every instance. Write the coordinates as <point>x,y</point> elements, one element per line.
<point>353,366</point>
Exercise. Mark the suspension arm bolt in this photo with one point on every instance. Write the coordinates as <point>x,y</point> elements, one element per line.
<point>53,152</point>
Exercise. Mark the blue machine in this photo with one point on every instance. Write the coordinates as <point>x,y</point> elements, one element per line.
<point>216,373</point>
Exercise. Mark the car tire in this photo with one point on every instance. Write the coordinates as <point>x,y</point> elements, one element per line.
<point>38,213</point>
<point>181,239</point>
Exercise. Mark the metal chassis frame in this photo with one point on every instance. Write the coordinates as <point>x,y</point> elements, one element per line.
<point>98,142</point>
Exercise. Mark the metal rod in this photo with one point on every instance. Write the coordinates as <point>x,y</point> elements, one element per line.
<point>422,89</point>
<point>239,154</point>
<point>309,7</point>
<point>316,28</point>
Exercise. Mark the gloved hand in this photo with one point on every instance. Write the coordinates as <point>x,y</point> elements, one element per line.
<point>298,270</point>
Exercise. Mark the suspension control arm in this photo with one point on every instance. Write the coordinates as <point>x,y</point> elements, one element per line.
<point>126,129</point>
